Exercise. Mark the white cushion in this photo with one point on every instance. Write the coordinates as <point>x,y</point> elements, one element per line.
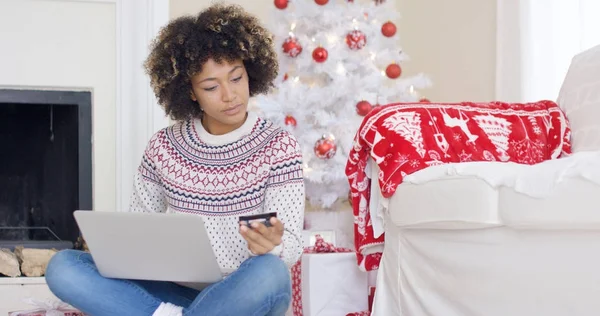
<point>468,203</point>
<point>562,193</point>
<point>580,99</point>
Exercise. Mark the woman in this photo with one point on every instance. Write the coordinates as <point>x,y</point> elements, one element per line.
<point>219,162</point>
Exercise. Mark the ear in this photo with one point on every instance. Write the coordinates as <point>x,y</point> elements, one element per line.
<point>193,96</point>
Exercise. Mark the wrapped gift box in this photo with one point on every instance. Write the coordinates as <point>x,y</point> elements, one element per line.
<point>332,284</point>
<point>310,237</point>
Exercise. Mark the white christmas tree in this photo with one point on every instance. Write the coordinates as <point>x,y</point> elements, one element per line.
<point>338,60</point>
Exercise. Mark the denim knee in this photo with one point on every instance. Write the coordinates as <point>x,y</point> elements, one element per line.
<point>61,270</point>
<point>273,273</point>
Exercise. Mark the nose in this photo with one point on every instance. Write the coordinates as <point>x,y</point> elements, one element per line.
<point>227,94</point>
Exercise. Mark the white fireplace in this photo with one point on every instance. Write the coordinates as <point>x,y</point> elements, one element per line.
<point>95,46</point>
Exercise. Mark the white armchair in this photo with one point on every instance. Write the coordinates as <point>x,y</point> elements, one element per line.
<point>473,244</point>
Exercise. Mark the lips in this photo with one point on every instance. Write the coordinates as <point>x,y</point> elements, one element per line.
<point>233,110</point>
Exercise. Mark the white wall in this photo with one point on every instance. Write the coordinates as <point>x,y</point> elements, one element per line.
<point>67,45</point>
<point>453,42</point>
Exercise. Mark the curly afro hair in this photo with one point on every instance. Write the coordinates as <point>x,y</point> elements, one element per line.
<point>221,32</point>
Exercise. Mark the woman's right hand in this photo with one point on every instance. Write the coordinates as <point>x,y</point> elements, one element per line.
<point>262,239</point>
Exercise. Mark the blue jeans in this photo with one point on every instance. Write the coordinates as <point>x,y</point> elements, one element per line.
<point>261,286</point>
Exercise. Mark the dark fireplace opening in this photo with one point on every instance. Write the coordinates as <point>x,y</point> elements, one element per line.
<point>45,167</point>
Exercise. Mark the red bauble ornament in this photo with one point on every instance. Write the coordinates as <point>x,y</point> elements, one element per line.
<point>320,54</point>
<point>388,29</point>
<point>321,2</point>
<point>393,71</point>
<point>285,77</point>
<point>281,4</point>
<point>290,121</point>
<point>325,148</point>
<point>424,100</point>
<point>356,39</point>
<point>363,108</point>
<point>292,47</point>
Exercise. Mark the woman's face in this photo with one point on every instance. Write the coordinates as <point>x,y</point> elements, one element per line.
<point>222,91</point>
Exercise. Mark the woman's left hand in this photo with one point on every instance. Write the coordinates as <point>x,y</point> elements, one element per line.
<point>262,239</point>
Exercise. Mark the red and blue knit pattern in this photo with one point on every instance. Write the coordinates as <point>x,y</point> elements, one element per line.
<point>225,180</point>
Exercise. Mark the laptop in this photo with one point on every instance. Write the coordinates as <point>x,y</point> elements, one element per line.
<point>150,246</point>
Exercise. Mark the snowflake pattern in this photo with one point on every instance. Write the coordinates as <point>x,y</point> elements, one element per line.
<point>457,137</point>
<point>389,187</point>
<point>464,157</point>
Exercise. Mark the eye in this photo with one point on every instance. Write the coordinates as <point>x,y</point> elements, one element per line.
<point>237,79</point>
<point>210,89</point>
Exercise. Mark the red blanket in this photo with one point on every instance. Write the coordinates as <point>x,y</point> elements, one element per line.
<point>404,138</point>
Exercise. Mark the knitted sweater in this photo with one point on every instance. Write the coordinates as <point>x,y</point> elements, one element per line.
<point>254,169</point>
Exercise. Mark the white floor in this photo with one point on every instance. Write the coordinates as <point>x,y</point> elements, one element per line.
<point>14,290</point>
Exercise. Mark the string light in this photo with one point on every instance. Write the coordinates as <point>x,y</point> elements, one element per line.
<point>306,168</point>
<point>331,38</point>
<point>341,69</point>
<point>411,90</point>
